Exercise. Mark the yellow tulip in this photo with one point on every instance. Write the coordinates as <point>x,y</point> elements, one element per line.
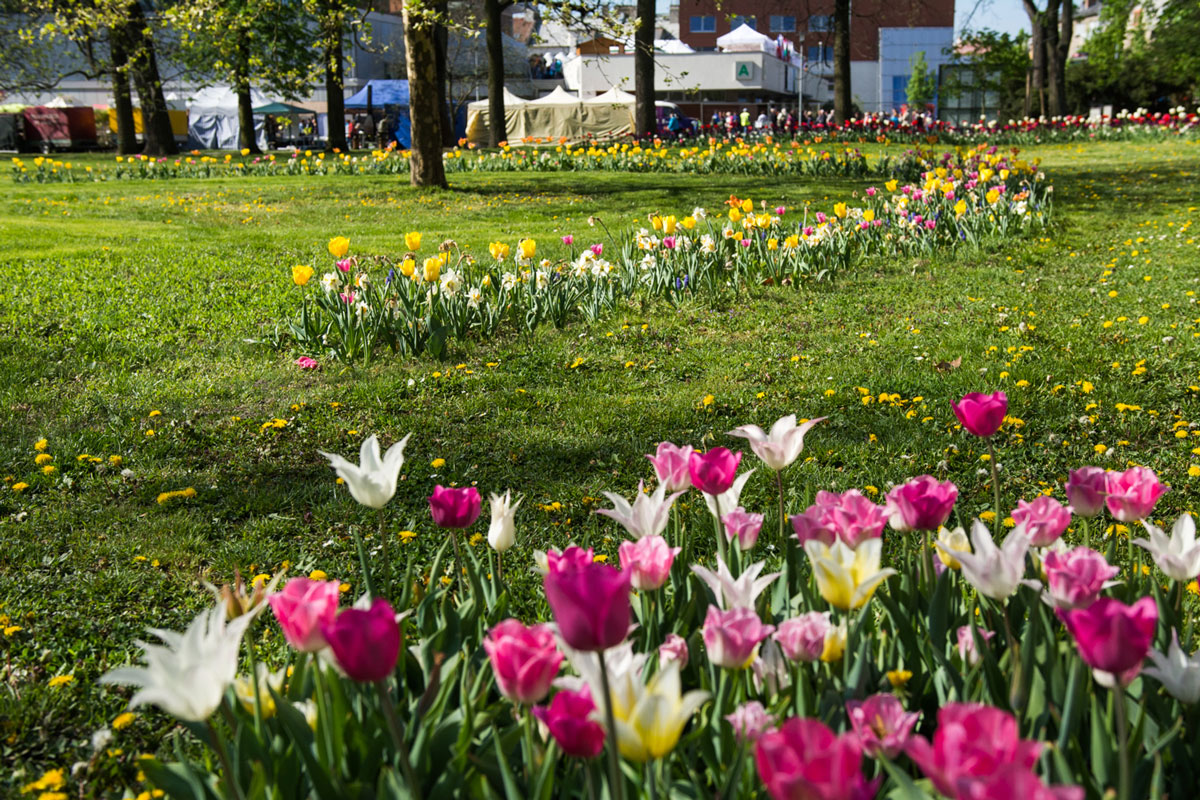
<point>412,240</point>
<point>339,246</point>
<point>408,267</point>
<point>651,717</point>
<point>432,269</point>
<point>656,222</point>
<point>891,185</point>
<point>499,250</point>
<point>847,578</point>
<point>791,242</point>
<point>948,542</point>
<point>735,215</point>
<point>301,273</point>
<point>689,222</point>
<point>527,248</point>
<point>840,210</point>
<point>772,244</point>
<point>960,208</point>
<point>869,215</point>
<point>669,224</point>
<point>835,643</point>
<point>993,195</point>
<point>747,205</point>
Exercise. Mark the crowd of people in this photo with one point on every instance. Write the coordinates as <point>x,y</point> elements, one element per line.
<point>363,131</point>
<point>775,121</point>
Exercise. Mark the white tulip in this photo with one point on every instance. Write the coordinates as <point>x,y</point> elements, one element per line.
<point>995,571</point>
<point>730,499</point>
<point>1178,673</point>
<point>372,481</point>
<point>783,445</point>
<point>739,593</point>
<point>502,534</point>
<point>647,516</point>
<point>1178,556</point>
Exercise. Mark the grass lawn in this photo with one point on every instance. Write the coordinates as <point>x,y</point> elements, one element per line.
<point>133,320</point>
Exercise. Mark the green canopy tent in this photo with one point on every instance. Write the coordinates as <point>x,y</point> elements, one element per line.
<point>283,108</point>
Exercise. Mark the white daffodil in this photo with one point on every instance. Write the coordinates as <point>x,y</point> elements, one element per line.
<point>1177,556</point>
<point>739,593</point>
<point>783,445</point>
<point>372,481</point>
<point>995,571</point>
<point>847,578</point>
<point>188,677</point>
<point>1178,673</point>
<point>730,499</point>
<point>502,533</point>
<point>647,516</point>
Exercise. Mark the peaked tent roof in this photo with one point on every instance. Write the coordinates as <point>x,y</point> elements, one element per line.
<point>383,93</point>
<point>222,101</point>
<point>744,39</point>
<point>282,108</point>
<point>558,97</point>
<point>672,46</point>
<point>613,95</point>
<point>510,100</point>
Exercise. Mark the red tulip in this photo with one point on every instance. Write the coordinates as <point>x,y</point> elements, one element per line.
<point>924,503</point>
<point>981,414</point>
<point>455,508</point>
<point>971,741</point>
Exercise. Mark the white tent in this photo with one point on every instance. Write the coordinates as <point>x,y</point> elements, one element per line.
<point>213,119</point>
<point>514,121</point>
<point>744,39</point>
<point>613,95</point>
<point>675,46</point>
<point>558,97</point>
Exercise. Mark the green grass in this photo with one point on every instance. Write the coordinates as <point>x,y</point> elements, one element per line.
<point>121,300</point>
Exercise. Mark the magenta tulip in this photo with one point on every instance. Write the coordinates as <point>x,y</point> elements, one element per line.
<point>1011,782</point>
<point>924,503</point>
<point>750,721</point>
<point>671,466</point>
<point>971,741</point>
<point>966,644</point>
<point>1113,637</point>
<point>573,557</point>
<point>590,603</point>
<point>713,472</point>
<point>881,724</point>
<point>648,560</point>
<point>455,508</point>
<point>1131,494</point>
<point>743,526</point>
<point>732,637</point>
<point>1076,577</point>
<point>365,644</point>
<point>1044,519</point>
<point>851,516</point>
<point>569,719</point>
<point>802,638</point>
<point>1085,490</point>
<point>524,660</point>
<point>809,526</point>
<point>301,608</point>
<point>981,414</point>
<point>804,760</point>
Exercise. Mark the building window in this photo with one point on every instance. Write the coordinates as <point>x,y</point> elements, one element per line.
<point>820,23</point>
<point>899,90</point>
<point>704,24</point>
<point>818,53</point>
<point>781,24</point>
<point>736,21</point>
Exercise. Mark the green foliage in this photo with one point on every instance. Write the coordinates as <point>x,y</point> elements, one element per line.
<point>990,63</point>
<point>922,84</point>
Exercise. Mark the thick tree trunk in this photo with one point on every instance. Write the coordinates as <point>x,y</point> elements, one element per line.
<point>1034,98</point>
<point>122,95</point>
<point>157,135</point>
<point>842,99</point>
<point>1055,81</point>
<point>425,159</point>
<point>241,86</point>
<point>441,53</point>
<point>1062,54</point>
<point>335,94</point>
<point>497,130</point>
<point>644,114</point>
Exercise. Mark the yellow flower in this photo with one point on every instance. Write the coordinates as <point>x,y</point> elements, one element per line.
<point>992,196</point>
<point>438,463</point>
<point>49,469</point>
<point>747,205</point>
<point>245,151</point>
<point>954,541</point>
<point>12,630</point>
<point>891,185</point>
<point>41,445</point>
<point>301,273</point>
<point>708,400</point>
<point>960,208</point>
<point>791,242</point>
<point>339,246</point>
<point>847,578</point>
<point>1194,471</point>
<point>527,248</point>
<point>243,687</point>
<point>407,536</point>
<point>412,240</point>
<point>650,717</point>
<point>688,222</point>
<point>408,267</point>
<point>432,269</point>
<point>499,250</point>
<point>43,458</point>
<point>840,210</point>
<point>899,677</point>
<point>123,721</point>
<point>61,680</point>
<point>835,643</point>
<point>669,224</point>
<point>318,575</point>
<point>735,215</point>
<point>166,497</point>
<point>869,215</point>
<point>772,244</point>
<point>987,516</point>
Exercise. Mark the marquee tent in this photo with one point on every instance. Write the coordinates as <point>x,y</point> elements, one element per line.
<point>557,115</point>
<point>744,39</point>
<point>213,119</point>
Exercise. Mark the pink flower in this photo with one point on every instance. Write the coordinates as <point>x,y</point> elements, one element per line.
<point>648,560</point>
<point>732,637</point>
<point>306,362</point>
<point>568,240</point>
<point>851,516</point>
<point>525,660</point>
<point>347,297</point>
<point>671,466</point>
<point>569,718</point>
<point>922,504</point>
<point>669,242</point>
<point>1011,782</point>
<point>1076,577</point>
<point>971,741</point>
<point>750,721</point>
<point>981,414</point>
<point>597,249</point>
<point>821,217</point>
<point>366,644</point>
<point>809,526</point>
<point>1044,519</point>
<point>574,557</point>
<point>345,264</point>
<point>871,190</point>
<point>590,603</point>
<point>802,638</point>
<point>455,508</point>
<point>780,211</point>
<point>804,760</point>
<point>1113,637</point>
<point>745,242</point>
<point>881,724</point>
<point>1085,490</point>
<point>1132,493</point>
<point>713,472</point>
<point>301,608</point>
<point>743,526</point>
<point>966,644</point>
<point>673,648</point>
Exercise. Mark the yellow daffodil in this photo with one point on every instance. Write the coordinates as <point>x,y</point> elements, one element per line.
<point>688,222</point>
<point>339,246</point>
<point>847,578</point>
<point>651,717</point>
<point>412,240</point>
<point>301,274</point>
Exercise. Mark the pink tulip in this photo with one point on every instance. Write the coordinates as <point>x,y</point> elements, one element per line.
<point>1044,519</point>
<point>713,472</point>
<point>365,644</point>
<point>780,211</point>
<point>573,557</point>
<point>307,362</point>
<point>301,608</point>
<point>966,644</point>
<point>851,516</point>
<point>881,724</point>
<point>1011,782</point>
<point>1113,637</point>
<point>674,648</point>
<point>971,741</point>
<point>590,603</point>
<point>671,466</point>
<point>668,242</point>
<point>597,249</point>
<point>802,638</point>
<point>345,264</point>
<point>455,508</point>
<point>569,719</point>
<point>808,526</point>
<point>804,760</point>
<point>525,660</point>
<point>981,414</point>
<point>743,526</point>
<point>923,504</point>
<point>1085,490</point>
<point>568,240</point>
<point>1076,577</point>
<point>750,721</point>
<point>1131,494</point>
<point>732,637</point>
<point>648,560</point>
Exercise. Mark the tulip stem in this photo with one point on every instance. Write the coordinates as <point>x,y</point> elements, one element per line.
<point>387,562</point>
<point>779,486</point>
<point>616,789</point>
<point>1122,742</point>
<point>458,568</point>
<point>997,522</point>
<point>389,712</point>
<point>720,533</point>
<point>231,783</point>
<point>362,562</point>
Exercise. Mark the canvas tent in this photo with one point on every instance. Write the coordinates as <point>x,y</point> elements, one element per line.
<point>213,119</point>
<point>744,39</point>
<point>557,115</point>
<point>673,46</point>
<point>385,96</point>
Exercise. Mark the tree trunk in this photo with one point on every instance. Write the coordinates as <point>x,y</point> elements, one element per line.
<point>842,101</point>
<point>441,53</point>
<point>1062,54</point>
<point>1055,81</point>
<point>335,93</point>
<point>156,122</point>
<point>497,130</point>
<point>122,96</point>
<point>241,86</point>
<point>644,114</point>
<point>425,159</point>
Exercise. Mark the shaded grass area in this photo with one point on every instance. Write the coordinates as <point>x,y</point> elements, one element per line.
<point>133,321</point>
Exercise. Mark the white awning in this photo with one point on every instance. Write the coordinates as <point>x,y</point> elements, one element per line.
<point>744,39</point>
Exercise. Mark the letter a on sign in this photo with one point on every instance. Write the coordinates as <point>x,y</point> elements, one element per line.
<point>744,71</point>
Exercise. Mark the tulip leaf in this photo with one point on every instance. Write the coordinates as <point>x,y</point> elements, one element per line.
<point>904,788</point>
<point>510,782</point>
<point>939,607</point>
<point>1102,741</point>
